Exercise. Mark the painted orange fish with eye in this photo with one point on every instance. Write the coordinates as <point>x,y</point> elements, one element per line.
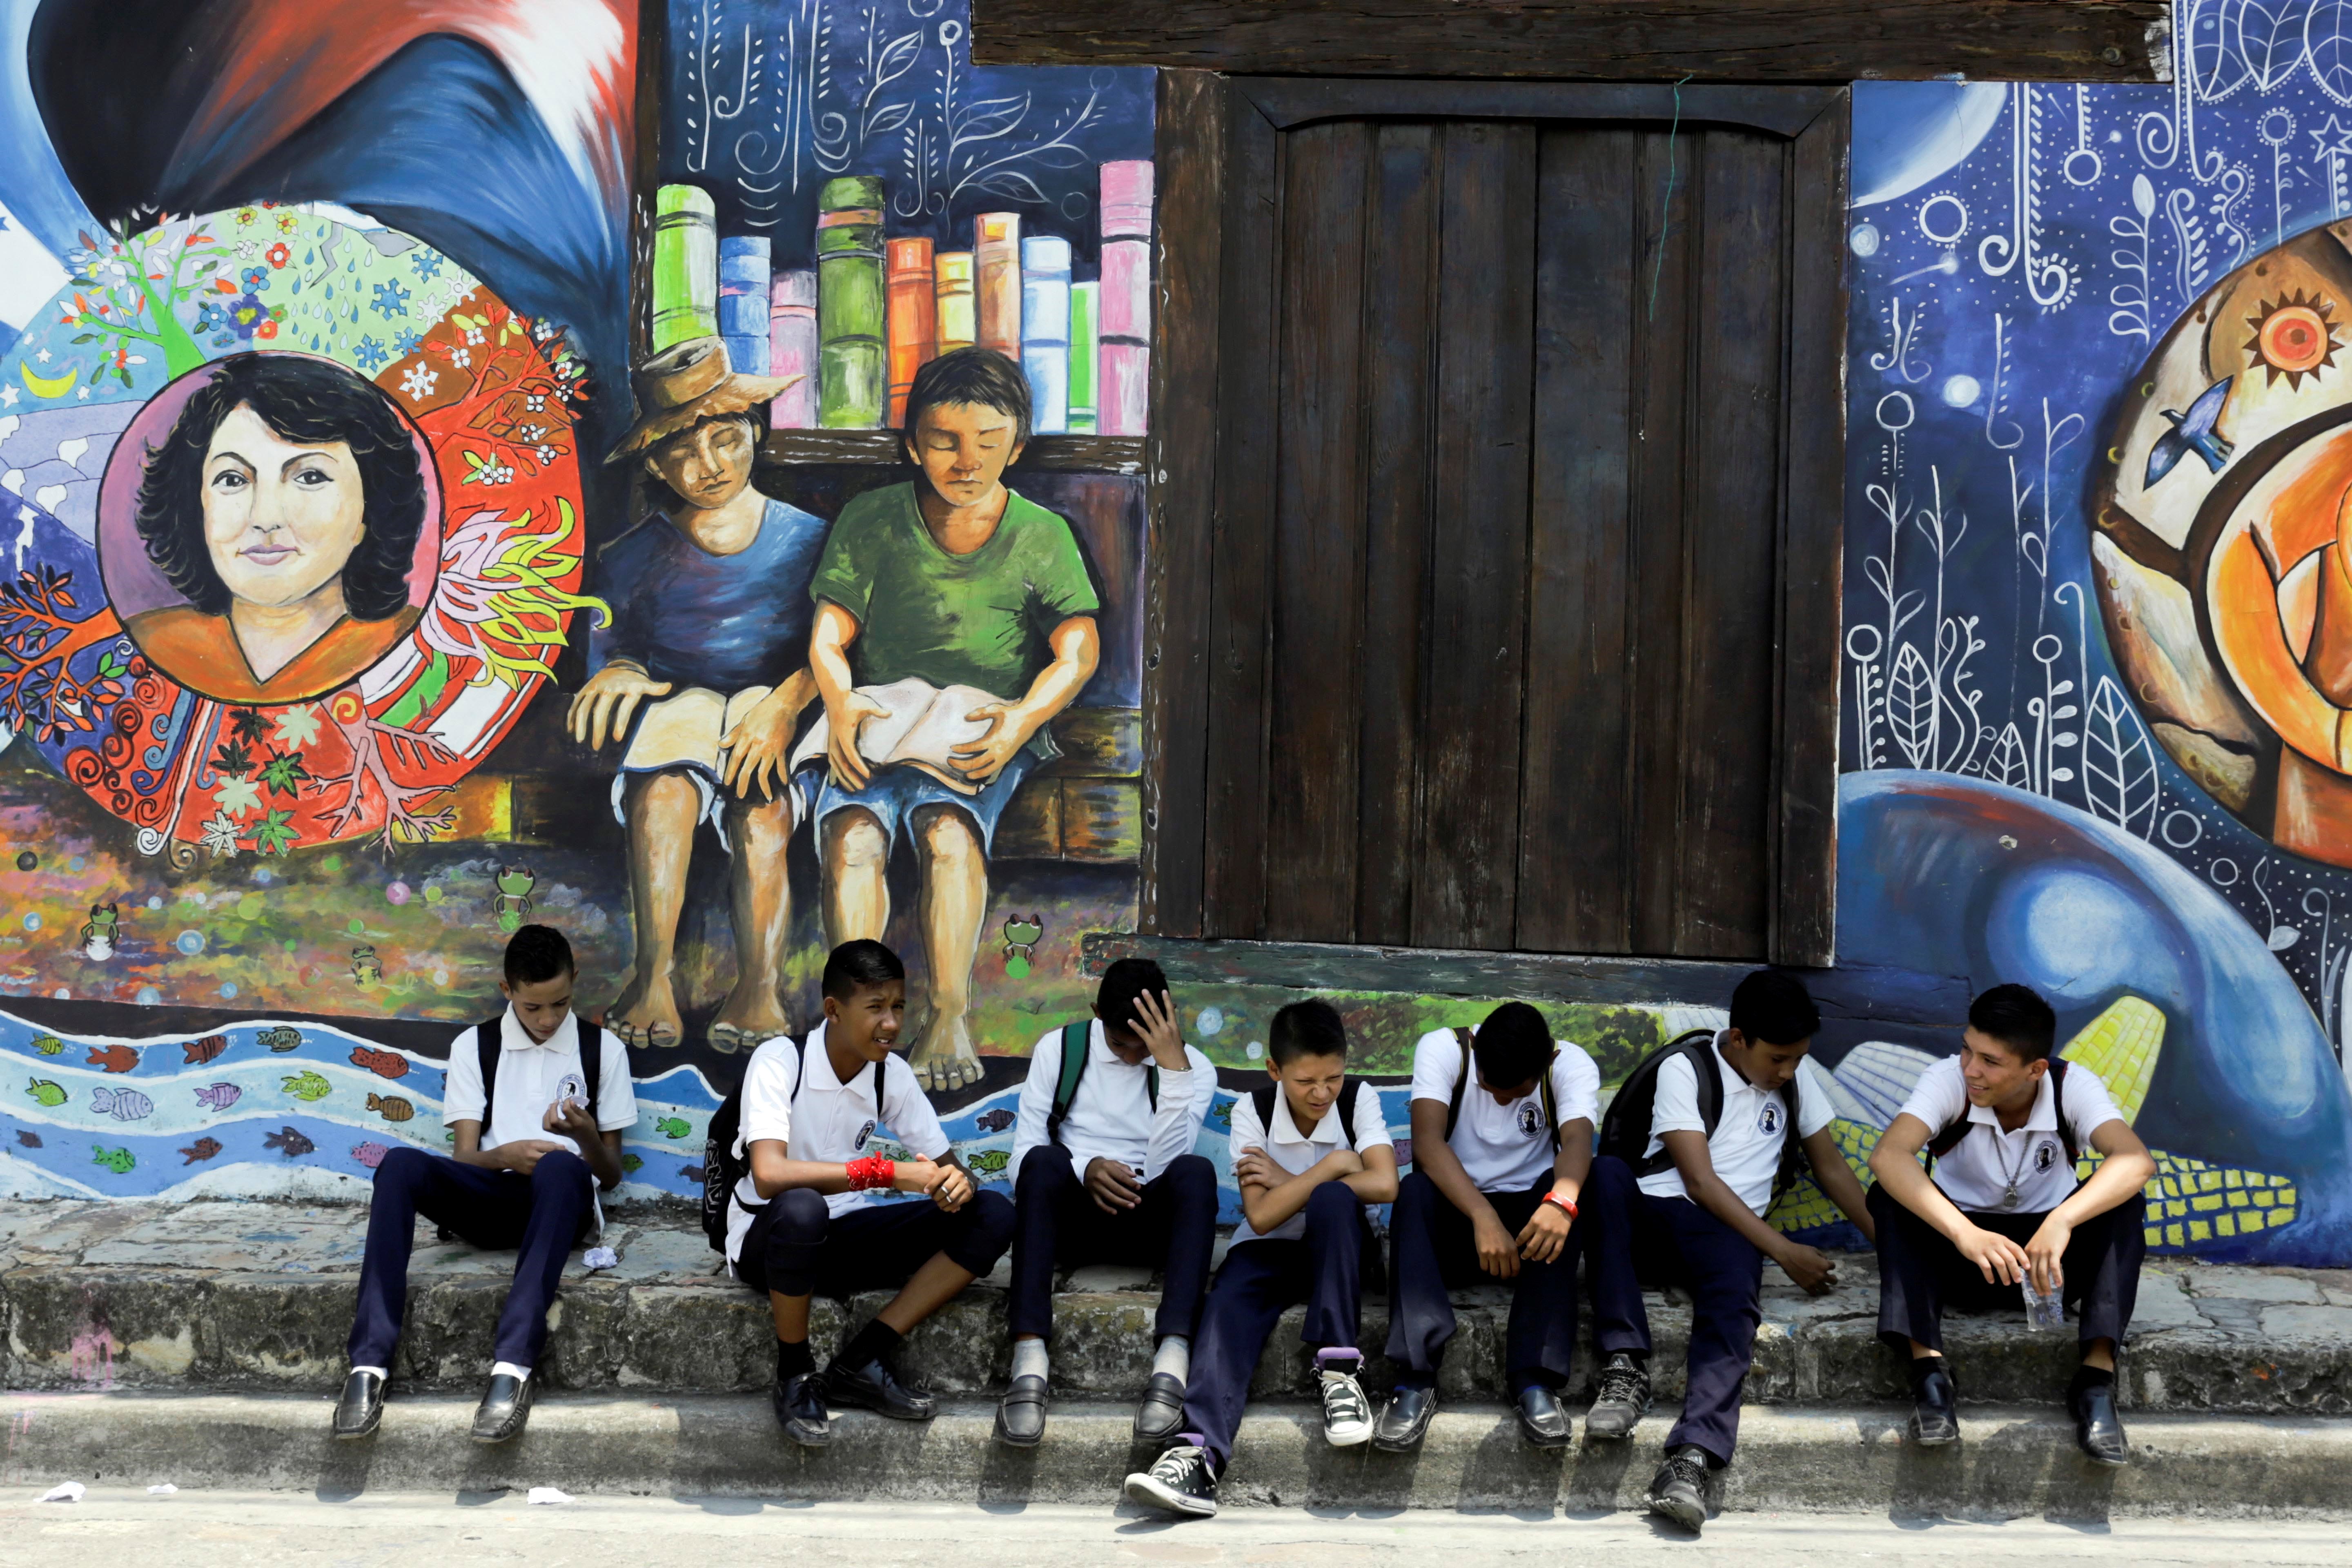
<point>114,1059</point>
<point>383,1064</point>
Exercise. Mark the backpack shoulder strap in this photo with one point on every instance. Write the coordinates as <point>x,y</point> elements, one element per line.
<point>799,1067</point>
<point>1151,1085</point>
<point>1349,1092</point>
<point>2058,1103</point>
<point>1461,1081</point>
<point>1550,1100</point>
<point>1699,1046</point>
<point>1261,1097</point>
<point>592,1064</point>
<point>1076,1038</point>
<point>486,1046</point>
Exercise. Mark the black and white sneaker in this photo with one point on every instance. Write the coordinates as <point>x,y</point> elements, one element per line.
<point>1678,1491</point>
<point>1347,1414</point>
<point>1621,1402</point>
<point>1179,1482</point>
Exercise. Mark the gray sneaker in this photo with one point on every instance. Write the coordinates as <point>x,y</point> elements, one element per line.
<point>1623,1400</point>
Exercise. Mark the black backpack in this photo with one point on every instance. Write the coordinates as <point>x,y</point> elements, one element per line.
<point>1462,1081</point>
<point>1948,1137</point>
<point>1625,1129</point>
<point>1262,1098</point>
<point>1077,1040</point>
<point>592,1063</point>
<point>722,1168</point>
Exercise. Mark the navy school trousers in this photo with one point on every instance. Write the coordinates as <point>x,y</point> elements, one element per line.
<point>1057,1222</point>
<point>1261,1280</point>
<point>1432,1246</point>
<point>1637,1239</point>
<point>796,1247</point>
<point>543,1214</point>
<point>1920,1272</point>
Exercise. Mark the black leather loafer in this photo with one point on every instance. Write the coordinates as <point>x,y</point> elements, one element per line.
<point>1541,1420</point>
<point>1021,1414</point>
<point>361,1406</point>
<point>504,1409</point>
<point>874,1387</point>
<point>799,1404</point>
<point>2098,1430</point>
<point>1162,1410</point>
<point>1936,1409</point>
<point>1405,1421</point>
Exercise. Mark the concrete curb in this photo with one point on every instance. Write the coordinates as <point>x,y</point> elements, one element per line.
<point>2011,1463</point>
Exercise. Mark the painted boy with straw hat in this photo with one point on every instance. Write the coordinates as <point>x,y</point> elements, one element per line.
<point>703,681</point>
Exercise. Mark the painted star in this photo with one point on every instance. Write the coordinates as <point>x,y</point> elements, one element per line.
<point>43,356</point>
<point>82,393</point>
<point>7,398</point>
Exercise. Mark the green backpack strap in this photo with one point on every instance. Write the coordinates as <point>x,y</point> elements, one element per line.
<point>1076,1038</point>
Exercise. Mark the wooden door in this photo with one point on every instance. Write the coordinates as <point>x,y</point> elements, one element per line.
<point>1518,603</point>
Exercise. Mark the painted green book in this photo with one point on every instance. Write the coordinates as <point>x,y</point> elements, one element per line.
<point>685,265</point>
<point>853,381</point>
<point>1083,316</point>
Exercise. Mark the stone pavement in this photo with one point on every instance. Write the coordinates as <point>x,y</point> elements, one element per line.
<point>257,1297</point>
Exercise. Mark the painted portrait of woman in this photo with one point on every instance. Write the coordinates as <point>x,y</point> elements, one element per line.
<point>284,507</point>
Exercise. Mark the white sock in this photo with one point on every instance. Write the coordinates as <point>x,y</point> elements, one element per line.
<point>1029,1358</point>
<point>508,1369</point>
<point>1175,1357</point>
<point>376,1372</point>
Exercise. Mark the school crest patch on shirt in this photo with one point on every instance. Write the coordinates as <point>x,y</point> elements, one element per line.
<point>1768,1120</point>
<point>2045,1155</point>
<point>1530,1117</point>
<point>864,1133</point>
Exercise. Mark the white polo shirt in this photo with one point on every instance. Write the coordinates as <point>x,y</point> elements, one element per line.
<point>1504,1147</point>
<point>1746,1144</point>
<point>530,1076</point>
<point>1975,1175</point>
<point>830,1122</point>
<point>1298,1152</point>
<point>1111,1116</point>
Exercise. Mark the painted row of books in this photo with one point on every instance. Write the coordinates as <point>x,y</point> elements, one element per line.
<point>857,326</point>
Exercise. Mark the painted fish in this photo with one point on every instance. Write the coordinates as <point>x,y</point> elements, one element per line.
<point>48,1045</point>
<point>383,1064</point>
<point>202,1149</point>
<point>293,1142</point>
<point>30,1140</point>
<point>691,1172</point>
<point>114,1059</point>
<point>631,1165</point>
<point>988,1162</point>
<point>306,1086</point>
<point>196,1053</point>
<point>45,1092</point>
<point>673,1127</point>
<point>393,1108</point>
<point>122,1104</point>
<point>218,1096</point>
<point>281,1038</point>
<point>995,1121</point>
<point>369,1154</point>
<point>117,1161</point>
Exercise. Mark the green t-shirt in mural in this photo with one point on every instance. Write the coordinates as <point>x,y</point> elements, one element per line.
<point>981,619</point>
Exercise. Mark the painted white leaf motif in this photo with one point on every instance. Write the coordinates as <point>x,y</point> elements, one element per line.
<point>2008,764</point>
<point>2283,937</point>
<point>1911,705</point>
<point>2270,40</point>
<point>2327,45</point>
<point>2143,195</point>
<point>2214,63</point>
<point>2119,777</point>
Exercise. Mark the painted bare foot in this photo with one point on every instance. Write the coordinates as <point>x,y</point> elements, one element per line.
<point>646,1014</point>
<point>944,1057</point>
<point>748,1019</point>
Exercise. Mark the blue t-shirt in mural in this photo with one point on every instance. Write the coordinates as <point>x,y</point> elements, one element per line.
<point>724,622</point>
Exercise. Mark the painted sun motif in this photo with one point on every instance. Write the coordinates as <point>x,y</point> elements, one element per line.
<point>2293,337</point>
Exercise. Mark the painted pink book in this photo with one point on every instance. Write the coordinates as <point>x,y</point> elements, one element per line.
<point>1124,357</point>
<point>792,348</point>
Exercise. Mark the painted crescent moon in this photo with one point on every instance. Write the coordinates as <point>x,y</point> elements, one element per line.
<point>48,386</point>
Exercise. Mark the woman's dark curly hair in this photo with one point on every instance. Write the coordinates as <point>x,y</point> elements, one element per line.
<point>311,402</point>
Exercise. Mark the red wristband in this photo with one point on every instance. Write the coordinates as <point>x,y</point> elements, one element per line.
<point>885,1172</point>
<point>1561,1203</point>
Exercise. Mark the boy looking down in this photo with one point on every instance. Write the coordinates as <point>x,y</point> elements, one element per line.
<point>535,1138</point>
<point>1677,1195</point>
<point>1997,1206</point>
<point>814,1210</point>
<point>1103,1171</point>
<point>1502,1138</point>
<point>1309,1151</point>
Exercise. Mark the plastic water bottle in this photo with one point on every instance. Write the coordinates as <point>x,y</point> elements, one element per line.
<point>2041,1311</point>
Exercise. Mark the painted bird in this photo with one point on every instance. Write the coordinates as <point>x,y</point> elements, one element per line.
<point>2192,432</point>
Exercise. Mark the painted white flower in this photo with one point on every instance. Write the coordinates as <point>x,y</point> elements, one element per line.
<point>297,726</point>
<point>418,383</point>
<point>247,249</point>
<point>473,335</point>
<point>534,400</point>
<point>546,455</point>
<point>461,358</point>
<point>238,794</point>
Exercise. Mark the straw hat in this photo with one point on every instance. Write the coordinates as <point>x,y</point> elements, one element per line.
<point>688,382</point>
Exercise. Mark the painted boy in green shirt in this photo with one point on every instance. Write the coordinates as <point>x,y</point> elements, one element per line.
<point>953,580</point>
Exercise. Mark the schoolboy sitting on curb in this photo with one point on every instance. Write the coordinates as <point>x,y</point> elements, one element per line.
<point>811,1213</point>
<point>1103,1172</point>
<point>1309,1151</point>
<point>539,1101</point>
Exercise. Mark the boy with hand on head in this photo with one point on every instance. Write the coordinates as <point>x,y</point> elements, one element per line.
<point>539,1101</point>
<point>1103,1171</point>
<point>1498,1166</point>
<point>811,1212</point>
<point>1701,1138</point>
<point>1309,1151</point>
<point>1998,1208</point>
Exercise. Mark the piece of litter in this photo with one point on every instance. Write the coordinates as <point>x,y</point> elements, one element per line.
<point>603,1257</point>
<point>64,1491</point>
<point>163,1488</point>
<point>550,1494</point>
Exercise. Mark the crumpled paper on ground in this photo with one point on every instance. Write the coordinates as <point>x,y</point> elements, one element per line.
<point>550,1494</point>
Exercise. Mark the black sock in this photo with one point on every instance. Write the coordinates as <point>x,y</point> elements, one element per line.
<point>872,1342</point>
<point>2089,1377</point>
<point>1921,1366</point>
<point>793,1359</point>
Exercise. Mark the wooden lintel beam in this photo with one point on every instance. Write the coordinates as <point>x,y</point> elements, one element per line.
<point>1626,40</point>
